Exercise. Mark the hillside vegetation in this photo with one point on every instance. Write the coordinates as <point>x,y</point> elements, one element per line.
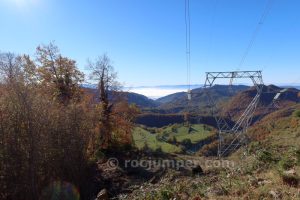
<point>238,103</point>
<point>57,139</point>
<point>270,170</point>
<point>52,132</point>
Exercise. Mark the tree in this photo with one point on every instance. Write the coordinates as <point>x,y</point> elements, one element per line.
<point>123,116</point>
<point>186,142</point>
<point>58,73</point>
<point>46,123</point>
<point>115,116</point>
<point>41,139</point>
<point>103,73</point>
<point>18,127</point>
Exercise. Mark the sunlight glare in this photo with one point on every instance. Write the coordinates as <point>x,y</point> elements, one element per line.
<point>22,4</point>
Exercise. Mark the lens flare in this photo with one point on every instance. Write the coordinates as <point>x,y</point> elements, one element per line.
<point>61,190</point>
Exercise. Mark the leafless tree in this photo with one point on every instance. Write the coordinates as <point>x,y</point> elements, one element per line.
<point>107,84</point>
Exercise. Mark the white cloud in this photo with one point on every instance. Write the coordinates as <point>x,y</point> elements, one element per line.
<point>155,92</point>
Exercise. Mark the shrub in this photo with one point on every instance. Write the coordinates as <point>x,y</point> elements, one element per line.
<point>99,155</point>
<point>286,163</point>
<point>174,129</point>
<point>186,142</point>
<point>254,146</point>
<point>209,149</point>
<point>297,113</point>
<point>159,150</point>
<point>290,179</point>
<point>207,128</point>
<point>152,130</point>
<point>158,137</point>
<point>172,140</point>
<point>166,194</point>
<point>298,156</point>
<point>190,129</point>
<point>146,147</point>
<point>266,157</point>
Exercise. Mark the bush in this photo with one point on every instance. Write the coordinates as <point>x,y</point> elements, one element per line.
<point>286,163</point>
<point>186,142</point>
<point>298,156</point>
<point>297,113</point>
<point>158,137</point>
<point>172,140</point>
<point>254,146</point>
<point>290,179</point>
<point>207,128</point>
<point>190,129</point>
<point>146,147</point>
<point>174,129</point>
<point>159,150</point>
<point>152,130</point>
<point>266,157</point>
<point>166,194</point>
<point>99,155</point>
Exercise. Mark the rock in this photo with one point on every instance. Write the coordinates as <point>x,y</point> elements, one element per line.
<point>274,194</point>
<point>215,191</point>
<point>102,195</point>
<point>184,196</point>
<point>253,181</point>
<point>261,181</point>
<point>290,172</point>
<point>197,170</point>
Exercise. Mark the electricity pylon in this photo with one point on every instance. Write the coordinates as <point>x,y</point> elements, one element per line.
<point>234,136</point>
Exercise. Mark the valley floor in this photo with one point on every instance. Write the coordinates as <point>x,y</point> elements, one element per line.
<point>175,138</point>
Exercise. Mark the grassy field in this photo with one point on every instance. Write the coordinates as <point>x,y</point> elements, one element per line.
<point>143,137</point>
<point>195,133</point>
<point>169,138</point>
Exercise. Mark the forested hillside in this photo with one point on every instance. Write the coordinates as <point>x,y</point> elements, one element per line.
<point>51,130</point>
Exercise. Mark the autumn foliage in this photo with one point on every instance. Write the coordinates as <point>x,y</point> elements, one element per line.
<point>49,127</point>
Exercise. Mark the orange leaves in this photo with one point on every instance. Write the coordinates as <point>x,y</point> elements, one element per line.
<point>123,116</point>
<point>59,74</point>
<point>294,122</point>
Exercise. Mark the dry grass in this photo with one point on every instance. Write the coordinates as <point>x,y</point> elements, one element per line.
<point>260,175</point>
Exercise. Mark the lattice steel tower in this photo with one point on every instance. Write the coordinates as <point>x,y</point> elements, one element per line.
<point>234,136</point>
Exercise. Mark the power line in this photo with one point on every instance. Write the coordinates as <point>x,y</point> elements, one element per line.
<point>188,41</point>
<point>256,31</point>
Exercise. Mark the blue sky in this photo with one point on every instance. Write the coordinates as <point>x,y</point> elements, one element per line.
<point>146,38</point>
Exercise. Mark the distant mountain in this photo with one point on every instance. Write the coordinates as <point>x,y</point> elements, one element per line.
<point>132,98</point>
<point>231,100</point>
<point>239,102</point>
<point>140,100</point>
<point>178,102</point>
<point>171,97</point>
<point>287,86</point>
